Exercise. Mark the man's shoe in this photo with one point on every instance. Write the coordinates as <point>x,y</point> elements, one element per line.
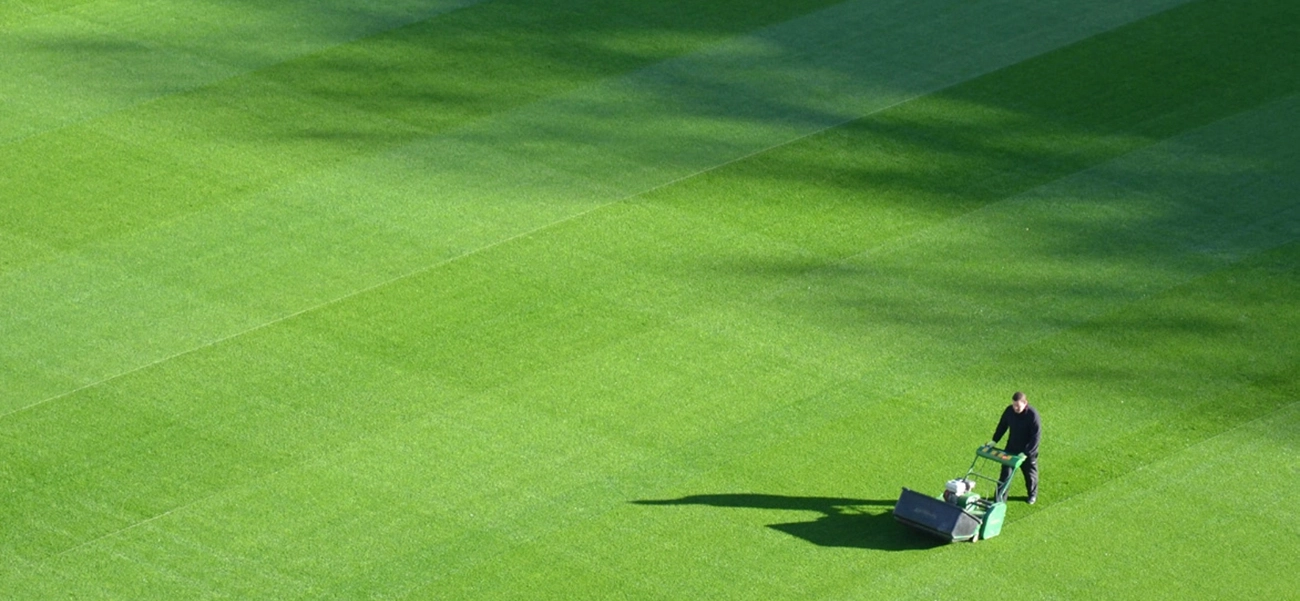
<point>1033,499</point>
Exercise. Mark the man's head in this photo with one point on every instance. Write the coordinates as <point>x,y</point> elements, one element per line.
<point>1018,402</point>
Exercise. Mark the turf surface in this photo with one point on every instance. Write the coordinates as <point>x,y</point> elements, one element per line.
<point>643,300</point>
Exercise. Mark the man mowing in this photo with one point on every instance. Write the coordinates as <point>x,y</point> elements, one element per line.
<point>1022,420</point>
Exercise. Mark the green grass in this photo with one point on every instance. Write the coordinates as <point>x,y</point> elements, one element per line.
<point>603,299</point>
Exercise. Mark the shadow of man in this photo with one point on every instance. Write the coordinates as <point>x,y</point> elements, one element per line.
<point>844,522</point>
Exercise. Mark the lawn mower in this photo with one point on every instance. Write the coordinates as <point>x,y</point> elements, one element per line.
<point>959,514</point>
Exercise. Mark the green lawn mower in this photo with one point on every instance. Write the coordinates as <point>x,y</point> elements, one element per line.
<point>959,514</point>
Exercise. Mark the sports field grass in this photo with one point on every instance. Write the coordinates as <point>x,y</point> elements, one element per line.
<point>588,299</point>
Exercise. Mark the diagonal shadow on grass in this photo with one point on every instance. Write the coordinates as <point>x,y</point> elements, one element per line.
<point>844,522</point>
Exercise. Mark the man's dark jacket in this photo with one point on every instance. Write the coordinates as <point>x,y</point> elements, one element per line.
<point>1025,429</point>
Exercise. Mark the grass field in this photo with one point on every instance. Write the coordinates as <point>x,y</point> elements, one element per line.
<point>603,299</point>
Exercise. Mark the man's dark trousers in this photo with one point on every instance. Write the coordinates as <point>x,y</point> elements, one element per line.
<point>1030,469</point>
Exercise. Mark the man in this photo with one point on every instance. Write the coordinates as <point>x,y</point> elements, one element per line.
<point>1022,420</point>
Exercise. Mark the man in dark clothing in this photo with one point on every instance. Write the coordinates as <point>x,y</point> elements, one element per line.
<point>1022,420</point>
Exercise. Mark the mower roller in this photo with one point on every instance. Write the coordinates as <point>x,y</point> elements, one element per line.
<point>959,514</point>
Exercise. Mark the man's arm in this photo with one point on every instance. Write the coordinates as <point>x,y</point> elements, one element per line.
<point>1003,423</point>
